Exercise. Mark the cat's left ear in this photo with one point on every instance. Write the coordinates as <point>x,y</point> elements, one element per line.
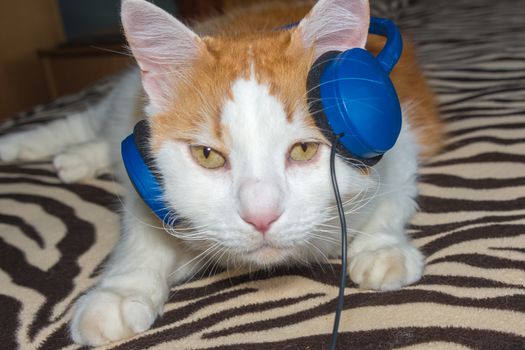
<point>335,25</point>
<point>163,47</point>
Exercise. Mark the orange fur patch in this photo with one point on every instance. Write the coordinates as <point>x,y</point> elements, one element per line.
<point>245,41</point>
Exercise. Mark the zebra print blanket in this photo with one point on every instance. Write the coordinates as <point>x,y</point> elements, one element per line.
<point>55,237</point>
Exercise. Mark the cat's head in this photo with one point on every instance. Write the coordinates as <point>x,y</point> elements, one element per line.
<point>238,151</point>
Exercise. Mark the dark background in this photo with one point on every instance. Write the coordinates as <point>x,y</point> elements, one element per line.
<point>83,18</point>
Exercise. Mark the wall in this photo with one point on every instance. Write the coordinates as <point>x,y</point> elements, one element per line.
<point>87,17</point>
<point>25,27</point>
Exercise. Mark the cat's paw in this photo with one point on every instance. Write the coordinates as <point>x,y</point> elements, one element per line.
<point>20,147</point>
<point>72,167</point>
<point>387,268</point>
<point>9,149</point>
<point>105,315</point>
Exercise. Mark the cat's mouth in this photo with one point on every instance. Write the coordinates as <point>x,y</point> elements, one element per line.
<point>263,246</point>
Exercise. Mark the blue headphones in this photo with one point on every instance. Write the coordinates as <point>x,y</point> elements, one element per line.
<point>350,94</point>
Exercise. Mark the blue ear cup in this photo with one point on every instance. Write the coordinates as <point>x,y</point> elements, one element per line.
<point>350,93</point>
<point>140,167</point>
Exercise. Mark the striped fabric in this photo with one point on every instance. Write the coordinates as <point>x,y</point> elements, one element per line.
<point>54,238</point>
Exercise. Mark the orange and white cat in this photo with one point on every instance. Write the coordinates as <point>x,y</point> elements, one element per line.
<point>239,156</point>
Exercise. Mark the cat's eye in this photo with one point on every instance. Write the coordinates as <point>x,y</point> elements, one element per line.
<point>207,157</point>
<point>303,151</point>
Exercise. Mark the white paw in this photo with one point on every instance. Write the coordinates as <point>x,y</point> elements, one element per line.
<point>21,147</point>
<point>106,315</point>
<point>8,150</point>
<point>387,268</point>
<point>72,167</point>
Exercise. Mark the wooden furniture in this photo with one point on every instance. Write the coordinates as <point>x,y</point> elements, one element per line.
<point>25,25</point>
<point>69,69</point>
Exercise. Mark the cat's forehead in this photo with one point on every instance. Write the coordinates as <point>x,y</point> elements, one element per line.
<point>242,77</point>
<point>253,115</point>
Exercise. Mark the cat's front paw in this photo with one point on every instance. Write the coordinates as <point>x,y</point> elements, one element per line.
<point>9,149</point>
<point>386,268</point>
<point>20,147</point>
<point>72,167</point>
<point>105,315</point>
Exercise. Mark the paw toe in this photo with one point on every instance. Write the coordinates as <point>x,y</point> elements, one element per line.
<point>8,152</point>
<point>97,319</point>
<point>104,316</point>
<point>387,268</point>
<point>138,313</point>
<point>71,168</point>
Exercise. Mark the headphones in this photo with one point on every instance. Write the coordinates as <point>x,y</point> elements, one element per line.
<point>350,95</point>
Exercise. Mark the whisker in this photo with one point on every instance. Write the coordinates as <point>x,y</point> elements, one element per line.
<point>193,259</point>
<point>208,258</point>
<point>122,53</point>
<point>323,255</point>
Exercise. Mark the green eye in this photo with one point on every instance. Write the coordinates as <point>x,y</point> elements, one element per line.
<point>303,151</point>
<point>207,157</point>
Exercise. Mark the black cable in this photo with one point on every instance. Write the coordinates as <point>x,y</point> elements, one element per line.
<point>342,220</point>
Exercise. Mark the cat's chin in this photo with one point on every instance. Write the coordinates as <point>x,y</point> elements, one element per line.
<point>266,255</point>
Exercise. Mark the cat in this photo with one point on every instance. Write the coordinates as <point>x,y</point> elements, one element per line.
<point>240,157</point>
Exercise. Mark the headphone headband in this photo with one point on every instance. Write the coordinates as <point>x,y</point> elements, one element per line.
<point>393,48</point>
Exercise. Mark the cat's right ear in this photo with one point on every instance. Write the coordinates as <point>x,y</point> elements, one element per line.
<point>163,47</point>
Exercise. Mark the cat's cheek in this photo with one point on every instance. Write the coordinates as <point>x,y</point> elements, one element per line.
<point>189,189</point>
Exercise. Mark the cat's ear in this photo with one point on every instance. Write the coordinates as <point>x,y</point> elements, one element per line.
<point>335,25</point>
<point>162,46</point>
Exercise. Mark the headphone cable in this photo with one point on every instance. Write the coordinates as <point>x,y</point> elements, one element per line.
<point>344,248</point>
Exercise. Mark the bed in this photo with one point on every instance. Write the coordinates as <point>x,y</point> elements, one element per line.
<point>55,237</point>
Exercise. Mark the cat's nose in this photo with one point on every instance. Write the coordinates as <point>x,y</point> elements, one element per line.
<point>262,221</point>
<point>260,203</point>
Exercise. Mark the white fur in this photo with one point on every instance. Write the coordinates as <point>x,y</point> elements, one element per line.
<point>259,178</point>
<point>83,161</point>
<point>381,256</point>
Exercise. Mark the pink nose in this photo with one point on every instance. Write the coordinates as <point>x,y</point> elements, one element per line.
<point>262,222</point>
